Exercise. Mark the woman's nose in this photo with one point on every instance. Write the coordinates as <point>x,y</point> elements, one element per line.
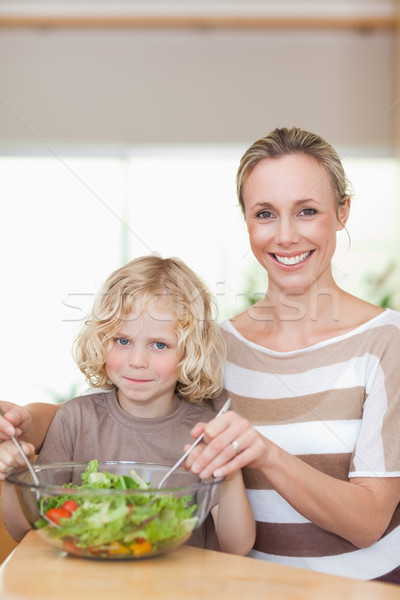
<point>286,231</point>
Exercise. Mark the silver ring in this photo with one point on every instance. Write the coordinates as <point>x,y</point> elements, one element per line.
<point>236,446</point>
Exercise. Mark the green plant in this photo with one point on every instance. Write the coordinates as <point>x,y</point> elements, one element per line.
<point>383,288</point>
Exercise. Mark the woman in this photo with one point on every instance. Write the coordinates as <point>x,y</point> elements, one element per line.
<point>313,375</point>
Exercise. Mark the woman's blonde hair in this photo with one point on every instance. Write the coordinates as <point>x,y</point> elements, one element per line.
<point>141,282</point>
<point>284,141</point>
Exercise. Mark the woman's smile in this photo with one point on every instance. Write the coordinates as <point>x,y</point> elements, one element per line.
<point>292,260</point>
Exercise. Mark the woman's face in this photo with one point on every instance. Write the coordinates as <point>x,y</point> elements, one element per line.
<point>292,222</point>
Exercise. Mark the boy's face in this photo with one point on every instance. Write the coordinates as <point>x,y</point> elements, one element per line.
<point>143,361</point>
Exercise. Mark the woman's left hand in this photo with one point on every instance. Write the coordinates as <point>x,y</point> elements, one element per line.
<point>10,457</point>
<point>230,444</point>
<point>16,420</point>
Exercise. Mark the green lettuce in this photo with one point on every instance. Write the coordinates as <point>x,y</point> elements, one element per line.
<point>107,524</point>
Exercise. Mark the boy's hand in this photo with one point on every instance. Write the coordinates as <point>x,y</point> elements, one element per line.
<point>16,420</point>
<point>10,458</point>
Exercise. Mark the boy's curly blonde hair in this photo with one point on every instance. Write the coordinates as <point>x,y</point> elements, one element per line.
<point>142,282</point>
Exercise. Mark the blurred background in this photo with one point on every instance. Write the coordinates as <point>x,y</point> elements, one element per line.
<point>122,124</point>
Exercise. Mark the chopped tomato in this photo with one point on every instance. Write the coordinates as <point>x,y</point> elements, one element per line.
<point>71,547</point>
<point>95,550</point>
<point>70,506</point>
<point>55,514</point>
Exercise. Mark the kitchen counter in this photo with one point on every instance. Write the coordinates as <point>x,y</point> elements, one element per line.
<point>37,571</point>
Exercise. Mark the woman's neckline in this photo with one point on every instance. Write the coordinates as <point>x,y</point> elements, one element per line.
<point>334,339</point>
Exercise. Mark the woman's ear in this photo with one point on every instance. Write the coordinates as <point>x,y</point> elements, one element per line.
<point>343,214</point>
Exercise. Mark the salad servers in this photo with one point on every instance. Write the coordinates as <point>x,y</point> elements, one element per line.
<point>188,451</point>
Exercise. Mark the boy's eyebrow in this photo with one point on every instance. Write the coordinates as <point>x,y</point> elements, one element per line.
<point>155,338</point>
<point>121,334</point>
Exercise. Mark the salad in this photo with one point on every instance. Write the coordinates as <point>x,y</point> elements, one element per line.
<point>115,526</point>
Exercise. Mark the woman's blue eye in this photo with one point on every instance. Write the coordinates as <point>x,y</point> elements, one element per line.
<point>309,211</point>
<point>160,345</point>
<point>122,341</point>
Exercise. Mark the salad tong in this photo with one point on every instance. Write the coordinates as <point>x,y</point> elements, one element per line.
<point>197,441</point>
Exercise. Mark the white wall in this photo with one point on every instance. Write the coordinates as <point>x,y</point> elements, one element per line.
<point>185,86</point>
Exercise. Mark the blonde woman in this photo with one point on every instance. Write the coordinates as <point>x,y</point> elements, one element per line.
<point>313,374</point>
<point>152,342</point>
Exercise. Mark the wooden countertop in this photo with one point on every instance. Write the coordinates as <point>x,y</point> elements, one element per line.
<point>36,571</point>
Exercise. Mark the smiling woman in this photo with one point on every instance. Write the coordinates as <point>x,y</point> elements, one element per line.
<point>295,197</point>
<point>313,374</point>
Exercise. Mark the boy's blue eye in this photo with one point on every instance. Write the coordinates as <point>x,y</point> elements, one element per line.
<point>160,345</point>
<point>122,341</point>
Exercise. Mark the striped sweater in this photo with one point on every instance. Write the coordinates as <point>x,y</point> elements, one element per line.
<point>335,405</point>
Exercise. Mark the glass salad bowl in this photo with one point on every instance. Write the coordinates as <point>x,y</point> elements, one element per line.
<point>113,510</point>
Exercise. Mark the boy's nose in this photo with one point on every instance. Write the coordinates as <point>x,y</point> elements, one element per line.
<point>138,359</point>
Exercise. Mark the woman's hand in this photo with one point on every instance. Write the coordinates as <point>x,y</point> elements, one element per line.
<point>370,501</point>
<point>16,420</point>
<point>10,457</point>
<point>230,444</point>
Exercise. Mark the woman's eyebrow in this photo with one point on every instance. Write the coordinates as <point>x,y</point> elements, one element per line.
<point>267,204</point>
<point>263,205</point>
